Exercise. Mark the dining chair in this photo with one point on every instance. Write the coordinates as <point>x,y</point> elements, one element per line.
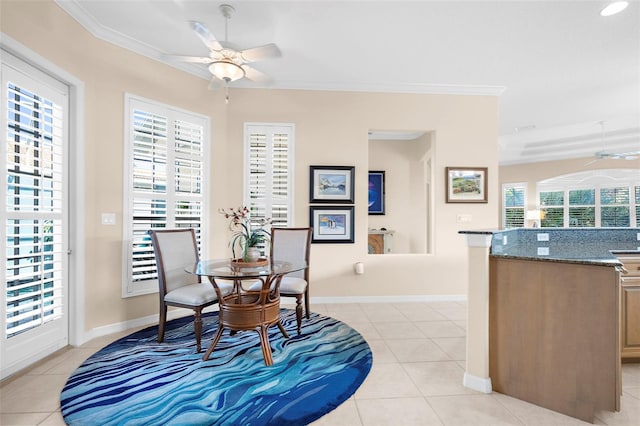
<point>293,244</point>
<point>174,250</point>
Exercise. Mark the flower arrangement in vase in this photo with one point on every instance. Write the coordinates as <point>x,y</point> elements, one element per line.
<point>248,234</point>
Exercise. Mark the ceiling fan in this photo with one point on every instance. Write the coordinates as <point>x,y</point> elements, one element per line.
<point>603,154</point>
<point>226,63</point>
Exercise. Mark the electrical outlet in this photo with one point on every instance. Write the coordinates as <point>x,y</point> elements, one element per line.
<point>543,237</point>
<point>463,218</point>
<point>504,240</point>
<point>108,218</point>
<point>543,251</point>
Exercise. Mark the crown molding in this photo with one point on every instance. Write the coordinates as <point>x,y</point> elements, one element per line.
<point>77,12</point>
<point>410,88</point>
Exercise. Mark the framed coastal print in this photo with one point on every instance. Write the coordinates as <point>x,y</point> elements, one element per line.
<point>376,192</point>
<point>331,224</point>
<point>331,184</point>
<point>466,184</point>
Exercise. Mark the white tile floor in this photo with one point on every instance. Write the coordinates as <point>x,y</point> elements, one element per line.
<point>416,378</point>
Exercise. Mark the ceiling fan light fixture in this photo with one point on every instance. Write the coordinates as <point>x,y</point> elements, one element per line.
<point>226,71</point>
<point>614,7</point>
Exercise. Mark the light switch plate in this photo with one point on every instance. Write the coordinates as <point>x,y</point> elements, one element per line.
<point>543,251</point>
<point>543,236</point>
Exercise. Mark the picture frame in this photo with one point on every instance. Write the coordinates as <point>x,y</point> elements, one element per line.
<point>331,184</point>
<point>332,224</point>
<point>376,192</point>
<point>466,184</point>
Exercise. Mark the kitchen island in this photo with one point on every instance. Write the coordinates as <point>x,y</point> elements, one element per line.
<point>544,316</point>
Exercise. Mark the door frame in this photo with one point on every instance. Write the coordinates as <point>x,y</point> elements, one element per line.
<point>76,311</point>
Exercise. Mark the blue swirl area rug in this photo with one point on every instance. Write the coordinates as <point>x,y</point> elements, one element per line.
<point>138,381</point>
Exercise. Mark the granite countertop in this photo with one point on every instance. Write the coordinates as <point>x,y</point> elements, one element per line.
<point>625,252</point>
<point>587,254</point>
<point>579,246</point>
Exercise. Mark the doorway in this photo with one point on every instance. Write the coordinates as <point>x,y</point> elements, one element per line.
<point>35,233</point>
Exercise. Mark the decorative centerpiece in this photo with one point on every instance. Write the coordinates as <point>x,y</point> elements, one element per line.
<point>248,234</point>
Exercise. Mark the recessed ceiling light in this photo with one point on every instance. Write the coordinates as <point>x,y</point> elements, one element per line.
<point>614,7</point>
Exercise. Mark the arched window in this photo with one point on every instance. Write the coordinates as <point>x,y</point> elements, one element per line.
<point>597,198</point>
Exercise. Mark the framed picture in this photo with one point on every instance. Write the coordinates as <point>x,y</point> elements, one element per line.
<point>331,224</point>
<point>376,192</point>
<point>466,184</point>
<point>331,184</point>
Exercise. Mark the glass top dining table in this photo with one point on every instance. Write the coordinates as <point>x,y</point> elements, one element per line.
<point>254,308</point>
<point>230,270</point>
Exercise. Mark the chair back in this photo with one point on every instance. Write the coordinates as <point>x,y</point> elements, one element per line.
<point>292,244</point>
<point>175,249</point>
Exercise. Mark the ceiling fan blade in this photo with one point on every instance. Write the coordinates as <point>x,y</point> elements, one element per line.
<point>205,35</point>
<point>255,75</point>
<point>267,51</point>
<point>191,59</point>
<point>628,154</point>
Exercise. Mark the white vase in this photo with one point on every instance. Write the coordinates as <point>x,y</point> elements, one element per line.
<point>252,255</point>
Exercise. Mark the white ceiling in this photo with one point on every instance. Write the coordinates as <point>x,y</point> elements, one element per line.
<point>558,66</point>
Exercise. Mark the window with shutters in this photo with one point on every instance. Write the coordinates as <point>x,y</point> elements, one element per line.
<point>166,156</point>
<point>590,199</point>
<point>269,171</point>
<point>614,207</point>
<point>514,198</point>
<point>552,208</point>
<point>34,217</point>
<point>582,208</point>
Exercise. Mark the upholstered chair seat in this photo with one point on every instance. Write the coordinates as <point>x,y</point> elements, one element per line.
<point>294,285</point>
<point>196,294</point>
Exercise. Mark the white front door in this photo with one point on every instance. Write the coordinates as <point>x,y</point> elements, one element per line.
<point>34,231</point>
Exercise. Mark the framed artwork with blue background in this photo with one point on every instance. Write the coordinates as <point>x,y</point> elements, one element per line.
<point>376,192</point>
<point>331,224</point>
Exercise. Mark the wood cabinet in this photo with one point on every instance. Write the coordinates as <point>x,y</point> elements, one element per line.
<point>630,307</point>
<point>554,334</point>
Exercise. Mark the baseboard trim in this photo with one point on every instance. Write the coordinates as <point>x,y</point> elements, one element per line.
<point>138,322</point>
<point>480,384</point>
<point>394,299</point>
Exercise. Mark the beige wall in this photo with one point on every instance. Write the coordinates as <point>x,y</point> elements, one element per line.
<point>532,173</point>
<point>331,129</point>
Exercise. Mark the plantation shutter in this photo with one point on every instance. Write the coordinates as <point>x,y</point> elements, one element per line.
<point>149,174</point>
<point>552,207</point>
<point>637,190</point>
<point>166,186</point>
<point>269,172</point>
<point>513,198</point>
<point>614,207</point>
<point>582,210</point>
<point>34,224</point>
